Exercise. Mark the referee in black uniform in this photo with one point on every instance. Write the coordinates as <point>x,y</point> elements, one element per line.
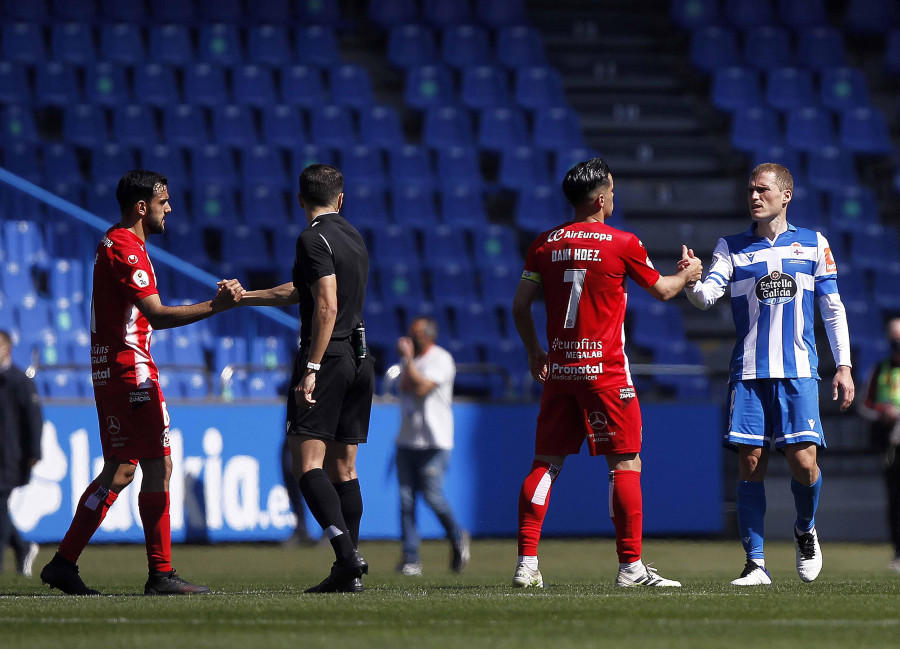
<point>333,378</point>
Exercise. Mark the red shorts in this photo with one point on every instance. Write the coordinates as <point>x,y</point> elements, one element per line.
<point>134,425</point>
<point>610,421</point>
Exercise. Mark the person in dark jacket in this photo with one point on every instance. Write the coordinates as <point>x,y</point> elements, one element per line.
<point>20,449</point>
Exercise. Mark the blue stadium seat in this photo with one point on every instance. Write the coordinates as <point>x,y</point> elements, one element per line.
<point>163,156</point>
<point>65,280</point>
<point>686,387</point>
<point>713,47</point>
<point>394,243</point>
<point>307,155</point>
<point>134,125</point>
<point>755,128</point>
<point>69,11</point>
<point>831,167</point>
<point>264,206</point>
<point>122,42</point>
<point>105,84</point>
<point>802,14</point>
<point>117,12</point>
<point>212,164</point>
<point>498,283</point>
<point>821,48</point>
<point>411,45</point>
<point>865,130</point>
<point>748,14</point>
<point>690,14</point>
<point>429,86</point>
<point>465,45</point>
<point>245,246</point>
<point>387,13</point>
<point>735,87</point>
<point>658,324</point>
<point>204,85</point>
<point>84,125</point>
<point>886,285</point>
<point>523,167</point>
<point>62,384</point>
<point>413,206</point>
<point>14,88</point>
<point>539,87</point>
<point>33,11</point>
<point>566,158</point>
<point>184,126</point>
<point>253,85</point>
<point>55,84</point>
<point>458,165</point>
<point>500,13</point>
<point>484,86</point>
<point>852,208</point>
<point>262,165</point>
<point>182,12</point>
<point>364,206</point>
<point>317,45</point>
<point>874,247</point>
<point>318,12</point>
<point>23,43</point>
<point>497,245</point>
<point>808,129</point>
<point>380,126</point>
<point>541,207</point>
<point>214,205</point>
<point>445,244</point>
<point>790,88</point>
<point>462,206</point>
<point>520,45</point>
<point>267,385</point>
<point>268,43</point>
<point>806,206</point>
<point>557,128</point>
<point>351,86</point>
<point>382,328</point>
<point>332,126</point>
<point>220,11</point>
<point>16,279</point>
<point>440,13</point>
<point>171,44</point>
<point>892,53</point>
<point>233,125</point>
<point>502,128</point>
<point>302,85</point>
<point>33,314</point>
<point>271,12</point>
<point>100,199</point>
<point>401,284</point>
<point>844,88</point>
<point>17,125</point>
<point>72,43</point>
<point>284,246</point>
<point>447,126</point>
<point>219,43</point>
<point>767,47</point>
<point>282,125</point>
<point>51,351</point>
<point>455,284</point>
<point>870,16</point>
<point>187,348</point>
<point>154,85</point>
<point>110,161</point>
<point>23,160</point>
<point>363,165</point>
<point>271,352</point>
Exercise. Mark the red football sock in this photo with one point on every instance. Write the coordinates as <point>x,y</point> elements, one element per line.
<point>626,511</point>
<point>534,499</point>
<point>154,509</point>
<point>90,512</point>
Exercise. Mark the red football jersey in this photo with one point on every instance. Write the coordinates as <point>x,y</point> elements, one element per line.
<point>120,334</point>
<point>582,267</point>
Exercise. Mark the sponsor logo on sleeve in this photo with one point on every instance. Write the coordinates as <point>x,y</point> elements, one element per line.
<point>141,278</point>
<point>830,266</point>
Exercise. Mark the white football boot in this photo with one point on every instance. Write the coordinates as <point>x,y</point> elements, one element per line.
<point>809,555</point>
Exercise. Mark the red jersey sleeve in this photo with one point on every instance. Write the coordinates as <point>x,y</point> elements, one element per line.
<point>638,264</point>
<point>131,268</point>
<point>532,272</point>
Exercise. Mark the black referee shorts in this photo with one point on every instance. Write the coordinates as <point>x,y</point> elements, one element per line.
<point>343,394</point>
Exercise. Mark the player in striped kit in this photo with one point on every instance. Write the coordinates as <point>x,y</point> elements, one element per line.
<point>777,273</point>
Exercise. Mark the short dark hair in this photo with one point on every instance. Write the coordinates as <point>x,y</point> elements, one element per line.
<point>584,179</point>
<point>320,185</point>
<point>138,185</point>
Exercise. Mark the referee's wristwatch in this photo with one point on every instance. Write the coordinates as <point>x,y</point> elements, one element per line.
<point>313,367</point>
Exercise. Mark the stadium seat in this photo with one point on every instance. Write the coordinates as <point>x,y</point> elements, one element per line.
<point>105,84</point>
<point>221,11</point>
<point>498,283</point>
<point>455,284</point>
<point>462,206</point>
<point>870,16</point>
<point>17,125</point>
<point>413,206</point>
<point>440,13</point>
<point>540,207</point>
<point>204,85</point>
<point>808,129</point>
<point>319,12</point>
<point>523,167</point>
<point>271,352</point>
<point>412,164</point>
<point>852,208</point>
<point>317,45</point>
<point>387,13</point>
<point>802,14</point>
<point>748,14</point>
<point>55,84</point>
<point>429,86</point>
<point>282,125</point>
<point>84,125</point>
<point>567,157</point>
<point>184,126</point>
<point>233,125</point>
<point>500,13</point>
<point>874,247</point>
<point>14,88</point>
<point>212,164</point>
<point>690,14</point>
<point>484,86</point>
<point>171,44</point>
<point>892,53</point>
<point>253,85</point>
<point>790,88</point>
<point>445,244</point>
<point>364,206</point>
<point>267,385</point>
<point>65,280</point>
<point>332,126</point>
<point>713,47</point>
<point>379,126</point>
<point>23,160</point>
<point>539,87</point>
<point>767,47</point>
<point>72,43</point>
<point>16,279</point>
<point>865,130</point>
<point>187,349</point>
<point>122,42</point>
<point>497,245</point>
<point>657,325</point>
<point>62,384</point>
<point>394,243</point>
<point>830,167</point>
<point>302,85</point>
<point>163,156</point>
<point>821,48</point>
<point>520,45</point>
<point>154,85</point>
<point>844,88</point>
<point>411,45</point>
<point>502,128</point>
<point>401,284</point>
<point>133,125</point>
<point>886,288</point>
<point>33,11</point>
<point>245,246</point>
<point>118,12</point>
<point>458,166</point>
<point>363,165</point>
<point>465,45</point>
<point>806,208</point>
<point>307,155</point>
<point>264,206</point>
<point>262,165</point>
<point>557,128</point>
<point>219,43</point>
<point>268,43</point>
<point>23,43</point>
<point>447,126</point>
<point>33,315</point>
<point>109,162</point>
<point>351,86</point>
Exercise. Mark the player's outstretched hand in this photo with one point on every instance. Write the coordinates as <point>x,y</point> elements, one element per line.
<point>843,382</point>
<point>229,293</point>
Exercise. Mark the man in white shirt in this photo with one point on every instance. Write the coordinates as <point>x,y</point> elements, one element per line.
<point>425,441</point>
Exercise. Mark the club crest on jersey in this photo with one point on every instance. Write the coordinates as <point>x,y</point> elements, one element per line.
<point>776,288</point>
<point>141,278</point>
<point>132,259</point>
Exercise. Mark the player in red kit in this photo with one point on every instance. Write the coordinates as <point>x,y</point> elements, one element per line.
<point>588,394</point>
<point>134,423</point>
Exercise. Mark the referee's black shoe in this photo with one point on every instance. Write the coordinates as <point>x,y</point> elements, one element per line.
<point>342,577</point>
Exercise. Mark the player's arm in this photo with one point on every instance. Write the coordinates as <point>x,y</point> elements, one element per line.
<point>703,294</point>
<point>834,316</point>
<point>521,311</point>
<point>668,286</point>
<point>283,295</point>
<point>161,316</point>
<point>325,308</point>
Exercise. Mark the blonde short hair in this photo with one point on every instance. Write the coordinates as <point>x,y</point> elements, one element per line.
<point>783,177</point>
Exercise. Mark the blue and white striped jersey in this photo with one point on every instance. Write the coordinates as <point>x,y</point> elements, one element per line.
<point>774,286</point>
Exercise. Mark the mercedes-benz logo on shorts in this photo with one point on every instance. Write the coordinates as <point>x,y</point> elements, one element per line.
<point>112,425</point>
<point>597,420</point>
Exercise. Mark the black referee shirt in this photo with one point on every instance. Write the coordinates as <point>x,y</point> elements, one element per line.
<point>331,246</point>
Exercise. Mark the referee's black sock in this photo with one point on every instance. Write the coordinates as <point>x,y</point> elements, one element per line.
<point>351,506</point>
<point>325,505</point>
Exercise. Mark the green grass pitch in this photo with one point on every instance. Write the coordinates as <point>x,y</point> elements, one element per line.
<point>259,601</point>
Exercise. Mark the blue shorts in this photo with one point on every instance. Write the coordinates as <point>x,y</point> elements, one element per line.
<point>786,410</point>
